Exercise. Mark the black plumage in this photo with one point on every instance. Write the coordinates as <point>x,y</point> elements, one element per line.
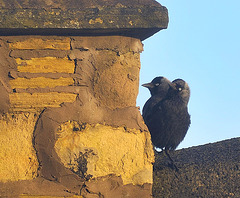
<point>166,112</point>
<point>158,89</point>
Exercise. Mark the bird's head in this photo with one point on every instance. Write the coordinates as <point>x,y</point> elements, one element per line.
<point>182,89</point>
<point>159,85</point>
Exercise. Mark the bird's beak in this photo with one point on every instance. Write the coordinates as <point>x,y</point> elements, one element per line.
<point>148,85</point>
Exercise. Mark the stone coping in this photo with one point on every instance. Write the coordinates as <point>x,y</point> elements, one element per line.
<point>139,21</point>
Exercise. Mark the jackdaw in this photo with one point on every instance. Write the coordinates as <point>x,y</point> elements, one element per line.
<point>166,112</point>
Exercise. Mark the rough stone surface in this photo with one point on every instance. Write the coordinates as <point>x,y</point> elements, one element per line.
<point>18,160</point>
<point>45,65</point>
<point>76,64</point>
<point>21,102</point>
<point>68,83</point>
<point>95,151</point>
<point>67,4</point>
<point>40,82</point>
<point>122,72</point>
<point>6,64</point>
<point>110,186</point>
<point>210,171</point>
<point>36,188</point>
<point>48,124</point>
<point>39,43</point>
<point>52,160</point>
<point>139,19</point>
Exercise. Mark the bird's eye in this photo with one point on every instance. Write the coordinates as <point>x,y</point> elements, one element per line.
<point>179,89</point>
<point>157,84</point>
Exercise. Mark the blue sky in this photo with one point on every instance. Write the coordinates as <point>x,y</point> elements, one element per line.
<point>201,46</point>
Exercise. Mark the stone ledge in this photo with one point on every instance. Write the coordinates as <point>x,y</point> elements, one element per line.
<point>139,21</point>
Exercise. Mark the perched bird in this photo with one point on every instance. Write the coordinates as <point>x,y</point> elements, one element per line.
<point>158,89</point>
<point>166,112</point>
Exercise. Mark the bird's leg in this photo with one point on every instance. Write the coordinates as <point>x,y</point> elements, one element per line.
<point>172,162</point>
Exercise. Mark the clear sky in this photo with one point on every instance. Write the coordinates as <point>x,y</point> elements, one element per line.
<point>201,46</point>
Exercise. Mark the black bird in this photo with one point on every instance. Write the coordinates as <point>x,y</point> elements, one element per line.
<point>166,112</point>
<point>158,89</point>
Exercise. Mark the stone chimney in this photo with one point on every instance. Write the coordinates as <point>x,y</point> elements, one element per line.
<point>69,78</point>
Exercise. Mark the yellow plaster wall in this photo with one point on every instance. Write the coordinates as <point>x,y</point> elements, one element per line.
<point>126,153</point>
<point>18,159</point>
